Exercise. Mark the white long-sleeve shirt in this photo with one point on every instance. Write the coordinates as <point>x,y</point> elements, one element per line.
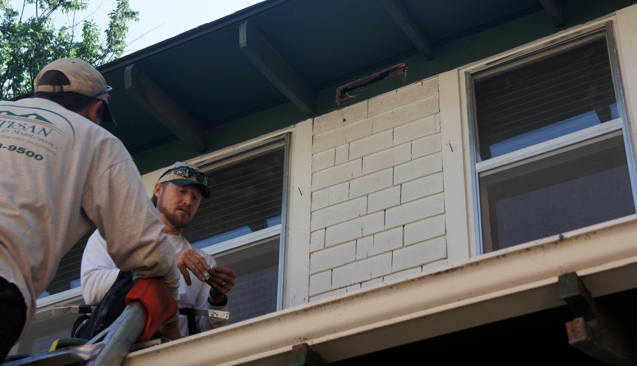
<point>99,272</point>
<point>60,174</point>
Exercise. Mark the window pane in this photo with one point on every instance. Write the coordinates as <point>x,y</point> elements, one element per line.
<point>68,272</point>
<point>246,197</point>
<point>257,270</point>
<point>567,191</point>
<point>555,95</point>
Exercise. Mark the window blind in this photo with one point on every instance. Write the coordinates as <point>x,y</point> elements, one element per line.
<point>246,197</point>
<point>553,96</point>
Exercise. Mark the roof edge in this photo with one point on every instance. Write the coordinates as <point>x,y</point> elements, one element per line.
<point>189,35</point>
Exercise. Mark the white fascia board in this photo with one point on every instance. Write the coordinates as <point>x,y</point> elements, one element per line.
<point>492,287</point>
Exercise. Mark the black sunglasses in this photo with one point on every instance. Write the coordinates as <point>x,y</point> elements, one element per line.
<point>186,172</point>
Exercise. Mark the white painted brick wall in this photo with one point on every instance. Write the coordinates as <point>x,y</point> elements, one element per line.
<point>418,254</point>
<point>371,282</point>
<point>355,229</point>
<point>420,188</point>
<point>317,240</point>
<point>387,158</point>
<point>320,282</point>
<point>383,242</point>
<point>338,193</point>
<point>437,117</point>
<point>342,136</point>
<point>370,183</point>
<point>425,146</point>
<point>401,274</point>
<point>362,246</point>
<point>322,160</point>
<point>377,209</point>
<point>342,154</point>
<point>424,230</point>
<point>328,294</point>
<point>383,199</point>
<point>340,118</point>
<point>371,144</point>
<point>414,130</point>
<point>335,175</point>
<point>320,199</point>
<point>414,211</point>
<point>418,168</point>
<point>405,114</point>
<point>402,96</point>
<point>362,270</point>
<point>332,257</point>
<point>339,213</point>
<point>435,265</point>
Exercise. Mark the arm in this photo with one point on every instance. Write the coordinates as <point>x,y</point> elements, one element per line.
<point>117,203</point>
<point>98,271</point>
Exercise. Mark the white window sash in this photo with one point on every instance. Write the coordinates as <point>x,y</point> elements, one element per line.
<point>523,156</point>
<point>528,154</point>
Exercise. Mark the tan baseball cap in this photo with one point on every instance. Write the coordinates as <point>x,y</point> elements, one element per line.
<point>82,79</point>
<point>183,174</point>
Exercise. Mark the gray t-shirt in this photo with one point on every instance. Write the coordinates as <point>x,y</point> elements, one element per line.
<point>62,173</point>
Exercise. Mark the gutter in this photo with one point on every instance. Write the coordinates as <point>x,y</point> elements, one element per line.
<point>492,287</point>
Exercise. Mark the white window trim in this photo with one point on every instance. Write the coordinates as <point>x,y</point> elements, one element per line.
<point>470,156</point>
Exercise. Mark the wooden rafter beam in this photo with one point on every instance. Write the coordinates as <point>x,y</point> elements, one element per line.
<point>274,67</point>
<point>598,332</point>
<point>553,9</point>
<point>164,108</point>
<point>405,21</point>
<point>304,355</point>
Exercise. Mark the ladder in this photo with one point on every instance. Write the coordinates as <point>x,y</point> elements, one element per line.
<point>149,305</point>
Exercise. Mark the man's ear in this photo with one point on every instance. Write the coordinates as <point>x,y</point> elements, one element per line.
<point>158,189</point>
<point>95,111</point>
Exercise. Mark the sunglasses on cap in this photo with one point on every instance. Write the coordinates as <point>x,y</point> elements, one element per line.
<point>108,90</point>
<point>186,172</point>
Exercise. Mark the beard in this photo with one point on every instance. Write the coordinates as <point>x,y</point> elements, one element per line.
<point>174,219</point>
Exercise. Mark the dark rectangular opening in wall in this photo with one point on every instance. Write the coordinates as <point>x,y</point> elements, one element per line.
<point>345,91</point>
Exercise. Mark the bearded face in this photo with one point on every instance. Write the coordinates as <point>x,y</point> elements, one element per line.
<point>178,205</point>
<point>175,218</point>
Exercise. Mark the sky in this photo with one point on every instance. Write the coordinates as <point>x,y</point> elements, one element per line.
<point>158,19</point>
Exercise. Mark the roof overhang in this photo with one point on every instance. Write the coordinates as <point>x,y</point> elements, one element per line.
<point>281,51</point>
<point>492,287</point>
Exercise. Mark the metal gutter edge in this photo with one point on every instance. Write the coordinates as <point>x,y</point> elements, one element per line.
<point>488,288</point>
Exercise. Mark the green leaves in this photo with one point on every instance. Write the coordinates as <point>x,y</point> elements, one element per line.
<point>27,44</point>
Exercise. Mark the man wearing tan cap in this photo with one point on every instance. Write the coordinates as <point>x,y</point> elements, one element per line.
<point>177,195</point>
<point>62,174</point>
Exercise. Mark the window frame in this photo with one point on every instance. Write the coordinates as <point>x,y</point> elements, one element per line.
<point>247,152</point>
<point>555,146</point>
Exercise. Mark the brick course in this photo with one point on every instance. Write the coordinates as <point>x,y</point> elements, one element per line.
<point>377,210</point>
<point>332,257</point>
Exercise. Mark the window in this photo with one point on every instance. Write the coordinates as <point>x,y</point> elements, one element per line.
<point>551,142</point>
<point>241,226</point>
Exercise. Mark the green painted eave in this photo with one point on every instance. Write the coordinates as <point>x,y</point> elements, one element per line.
<point>329,43</point>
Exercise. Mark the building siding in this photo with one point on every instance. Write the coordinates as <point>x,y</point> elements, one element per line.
<point>377,211</point>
